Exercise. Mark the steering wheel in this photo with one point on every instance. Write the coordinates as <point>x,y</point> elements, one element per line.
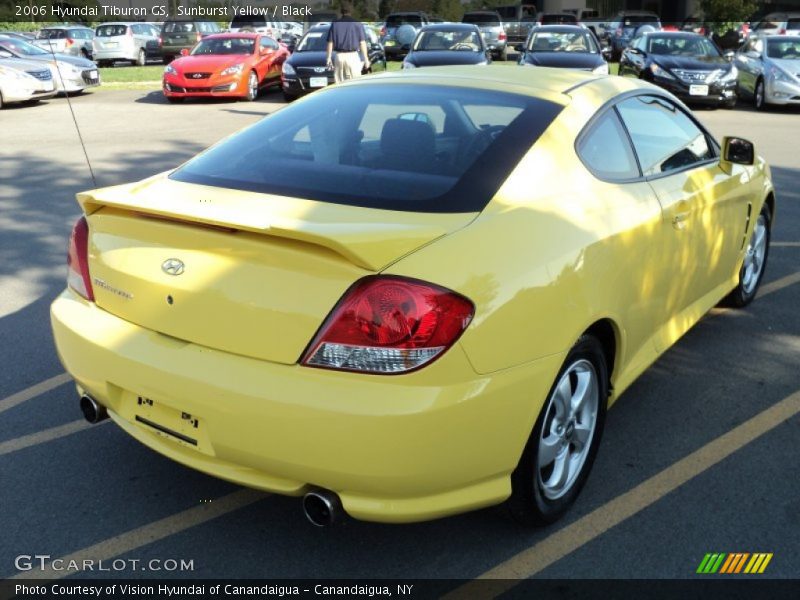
<point>479,141</point>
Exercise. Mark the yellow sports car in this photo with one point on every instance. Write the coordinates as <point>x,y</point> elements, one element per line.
<point>411,295</point>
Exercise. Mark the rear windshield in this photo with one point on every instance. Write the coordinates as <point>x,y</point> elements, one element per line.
<point>558,19</point>
<point>398,20</point>
<point>111,30</point>
<point>481,19</point>
<point>178,27</point>
<point>51,34</point>
<point>391,146</point>
<point>248,21</point>
<point>793,24</point>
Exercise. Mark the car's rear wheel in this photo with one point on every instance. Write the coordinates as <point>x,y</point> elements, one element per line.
<point>252,87</point>
<point>755,262</point>
<point>562,447</point>
<point>141,59</point>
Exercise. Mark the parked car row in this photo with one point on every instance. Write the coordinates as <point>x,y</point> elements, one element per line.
<point>29,73</point>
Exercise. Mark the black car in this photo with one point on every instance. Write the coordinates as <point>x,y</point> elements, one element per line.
<point>448,44</point>
<point>687,64</point>
<point>305,70</point>
<point>565,47</point>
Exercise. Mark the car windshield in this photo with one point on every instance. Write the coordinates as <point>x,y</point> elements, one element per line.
<point>51,34</point>
<point>111,30</point>
<point>784,49</point>
<point>393,146</point>
<point>19,47</point>
<point>225,46</point>
<point>681,46</point>
<point>398,20</point>
<point>555,41</point>
<point>487,20</point>
<point>448,40</point>
<point>313,41</point>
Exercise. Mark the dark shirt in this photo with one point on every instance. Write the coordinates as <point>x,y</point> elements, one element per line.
<point>346,34</point>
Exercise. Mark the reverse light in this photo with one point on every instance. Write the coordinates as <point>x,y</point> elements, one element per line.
<point>78,260</point>
<point>389,324</point>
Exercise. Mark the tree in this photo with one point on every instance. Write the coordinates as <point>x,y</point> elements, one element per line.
<point>724,15</point>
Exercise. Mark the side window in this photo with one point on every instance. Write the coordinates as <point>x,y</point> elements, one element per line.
<point>664,137</point>
<point>137,29</point>
<point>606,151</point>
<point>268,42</point>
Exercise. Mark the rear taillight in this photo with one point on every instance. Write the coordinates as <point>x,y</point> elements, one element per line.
<point>160,41</point>
<point>389,324</point>
<point>501,36</point>
<point>78,260</point>
<point>129,32</point>
<point>383,31</point>
<point>70,41</point>
<point>781,31</point>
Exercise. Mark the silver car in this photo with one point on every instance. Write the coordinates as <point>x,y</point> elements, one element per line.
<point>23,80</point>
<point>71,74</point>
<point>73,39</point>
<point>492,31</point>
<point>777,23</point>
<point>134,42</point>
<point>769,70</point>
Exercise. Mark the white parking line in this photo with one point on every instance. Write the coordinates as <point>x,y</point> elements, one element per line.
<point>33,391</point>
<point>779,284</point>
<point>785,244</point>
<point>40,437</point>
<point>147,534</point>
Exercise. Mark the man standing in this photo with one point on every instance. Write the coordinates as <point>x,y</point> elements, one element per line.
<point>346,37</point>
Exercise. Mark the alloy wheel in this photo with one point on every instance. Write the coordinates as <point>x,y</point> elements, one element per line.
<point>568,429</point>
<point>754,257</point>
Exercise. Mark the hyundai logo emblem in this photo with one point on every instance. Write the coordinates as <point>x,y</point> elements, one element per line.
<point>172,266</point>
<point>319,69</point>
<point>197,75</point>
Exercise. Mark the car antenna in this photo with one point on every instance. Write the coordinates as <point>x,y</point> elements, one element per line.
<point>72,112</point>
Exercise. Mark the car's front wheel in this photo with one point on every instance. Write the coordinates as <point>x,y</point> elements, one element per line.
<point>252,87</point>
<point>755,262</point>
<point>759,96</point>
<point>562,447</point>
<point>141,58</point>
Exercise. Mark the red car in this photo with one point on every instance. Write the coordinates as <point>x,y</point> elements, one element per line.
<point>225,65</point>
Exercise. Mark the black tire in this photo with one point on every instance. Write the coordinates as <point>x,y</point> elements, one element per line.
<point>529,503</point>
<point>502,56</point>
<point>759,100</point>
<point>746,289</point>
<point>174,99</point>
<point>141,58</point>
<point>1,100</point>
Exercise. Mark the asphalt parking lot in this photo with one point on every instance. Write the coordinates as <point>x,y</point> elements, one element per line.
<point>700,455</point>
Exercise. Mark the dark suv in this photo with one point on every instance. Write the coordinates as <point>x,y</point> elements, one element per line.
<point>492,31</point>
<point>625,25</point>
<point>183,35</point>
<point>399,31</point>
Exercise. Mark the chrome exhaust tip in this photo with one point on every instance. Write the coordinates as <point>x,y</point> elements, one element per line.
<point>93,411</point>
<point>322,507</point>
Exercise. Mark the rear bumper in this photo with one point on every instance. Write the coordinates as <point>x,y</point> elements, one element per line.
<point>398,448</point>
<point>116,54</point>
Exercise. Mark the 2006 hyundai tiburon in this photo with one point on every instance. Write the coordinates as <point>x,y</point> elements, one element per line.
<point>359,300</point>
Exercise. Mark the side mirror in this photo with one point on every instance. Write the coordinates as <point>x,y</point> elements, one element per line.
<point>736,151</point>
<point>184,52</point>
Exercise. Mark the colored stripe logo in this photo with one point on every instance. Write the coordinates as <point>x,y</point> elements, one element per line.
<point>734,563</point>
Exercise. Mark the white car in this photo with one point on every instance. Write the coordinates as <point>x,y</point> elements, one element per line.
<point>24,81</point>
<point>72,74</point>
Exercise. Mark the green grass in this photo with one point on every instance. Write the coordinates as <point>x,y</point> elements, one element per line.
<point>128,74</point>
<point>149,77</point>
